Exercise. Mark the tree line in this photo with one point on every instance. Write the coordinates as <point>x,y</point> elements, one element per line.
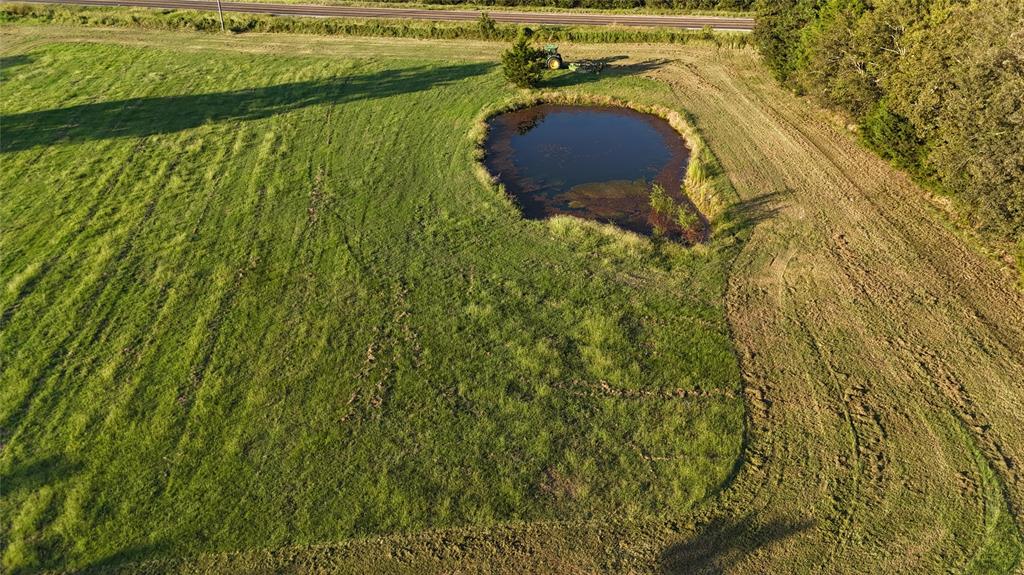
<point>935,86</point>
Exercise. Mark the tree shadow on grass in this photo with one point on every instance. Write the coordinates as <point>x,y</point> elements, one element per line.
<point>7,63</point>
<point>723,543</point>
<point>26,478</point>
<point>35,474</point>
<point>133,559</point>
<point>168,114</point>
<point>610,70</point>
<point>754,211</point>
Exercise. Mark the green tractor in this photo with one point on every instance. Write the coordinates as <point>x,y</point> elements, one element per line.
<point>554,59</point>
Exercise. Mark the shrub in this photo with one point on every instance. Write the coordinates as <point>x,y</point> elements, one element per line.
<point>661,203</point>
<point>686,218</point>
<point>523,63</point>
<point>893,137</point>
<point>487,26</point>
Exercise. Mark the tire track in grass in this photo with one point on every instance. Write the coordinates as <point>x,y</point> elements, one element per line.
<point>762,476</point>
<point>319,169</point>
<point>213,180</point>
<point>127,258</point>
<point>888,203</point>
<point>114,178</point>
<point>760,483</point>
<point>26,170</point>
<point>868,455</point>
<point>107,280</point>
<point>957,400</point>
<point>314,235</point>
<point>28,288</point>
<point>404,339</point>
<point>960,402</point>
<point>169,287</point>
<point>111,286</point>
<point>909,222</point>
<point>376,169</point>
<point>135,375</point>
<point>393,333</point>
<point>875,289</point>
<point>858,499</point>
<point>16,218</point>
<point>989,337</point>
<point>790,169</point>
<point>188,391</point>
<point>59,354</point>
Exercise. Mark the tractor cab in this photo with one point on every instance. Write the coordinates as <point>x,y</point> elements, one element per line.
<point>554,59</point>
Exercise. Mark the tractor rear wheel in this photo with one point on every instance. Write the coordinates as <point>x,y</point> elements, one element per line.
<point>554,62</point>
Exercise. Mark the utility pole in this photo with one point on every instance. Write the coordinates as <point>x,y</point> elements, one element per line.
<point>221,12</point>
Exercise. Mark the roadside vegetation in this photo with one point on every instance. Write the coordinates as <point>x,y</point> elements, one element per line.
<point>675,6</point>
<point>646,8</point>
<point>726,5</point>
<point>205,21</point>
<point>936,87</point>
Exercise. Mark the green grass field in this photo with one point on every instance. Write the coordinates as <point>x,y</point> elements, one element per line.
<point>253,301</point>
<point>258,314</point>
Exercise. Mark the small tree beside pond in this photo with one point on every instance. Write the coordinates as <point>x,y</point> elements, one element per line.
<point>670,216</point>
<point>523,63</point>
<point>661,203</point>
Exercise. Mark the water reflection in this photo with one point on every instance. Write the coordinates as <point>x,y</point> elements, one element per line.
<point>592,162</point>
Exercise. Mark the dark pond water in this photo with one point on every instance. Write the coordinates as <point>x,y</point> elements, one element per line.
<point>592,162</point>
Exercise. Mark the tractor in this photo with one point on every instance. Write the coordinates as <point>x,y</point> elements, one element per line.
<point>554,59</point>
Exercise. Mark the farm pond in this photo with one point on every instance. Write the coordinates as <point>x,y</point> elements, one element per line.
<point>594,162</point>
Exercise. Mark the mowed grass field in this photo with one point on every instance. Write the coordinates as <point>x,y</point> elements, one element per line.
<point>256,300</point>
<point>879,349</point>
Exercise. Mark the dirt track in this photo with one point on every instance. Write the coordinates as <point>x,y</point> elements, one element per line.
<point>551,18</point>
<point>880,352</point>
